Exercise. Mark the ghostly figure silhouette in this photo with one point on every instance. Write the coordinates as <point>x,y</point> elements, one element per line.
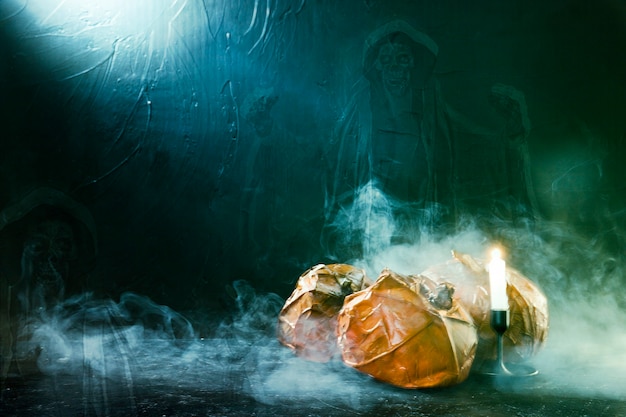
<point>407,143</point>
<point>401,147</point>
<point>399,143</point>
<point>259,195</point>
<point>48,251</point>
<point>48,243</point>
<point>391,153</point>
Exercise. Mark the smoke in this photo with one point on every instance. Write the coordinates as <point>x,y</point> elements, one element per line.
<point>136,342</point>
<point>120,347</point>
<point>581,271</point>
<point>271,373</point>
<point>583,278</point>
<point>98,336</point>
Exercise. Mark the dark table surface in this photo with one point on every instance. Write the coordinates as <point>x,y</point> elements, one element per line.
<point>259,377</point>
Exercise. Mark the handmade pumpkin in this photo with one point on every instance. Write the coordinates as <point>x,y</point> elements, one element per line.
<point>307,322</point>
<point>528,306</point>
<point>406,331</point>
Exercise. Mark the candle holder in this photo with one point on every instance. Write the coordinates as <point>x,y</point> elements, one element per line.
<point>499,323</point>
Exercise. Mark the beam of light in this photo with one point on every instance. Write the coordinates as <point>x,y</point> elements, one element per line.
<point>11,9</point>
<point>127,17</point>
<point>73,37</point>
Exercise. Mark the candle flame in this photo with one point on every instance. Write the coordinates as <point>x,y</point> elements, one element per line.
<point>497,281</point>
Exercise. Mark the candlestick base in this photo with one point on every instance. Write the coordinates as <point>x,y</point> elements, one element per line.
<point>497,368</point>
<point>500,323</point>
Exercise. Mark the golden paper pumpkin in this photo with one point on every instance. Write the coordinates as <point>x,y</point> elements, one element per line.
<point>307,322</point>
<point>528,306</point>
<point>392,332</point>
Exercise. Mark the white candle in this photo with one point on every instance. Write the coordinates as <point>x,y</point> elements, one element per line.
<point>497,281</point>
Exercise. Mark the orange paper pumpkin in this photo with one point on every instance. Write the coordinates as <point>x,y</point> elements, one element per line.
<point>394,332</point>
<point>307,322</point>
<point>528,306</point>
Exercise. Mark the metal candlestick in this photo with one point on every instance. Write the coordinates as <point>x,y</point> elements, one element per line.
<point>499,323</point>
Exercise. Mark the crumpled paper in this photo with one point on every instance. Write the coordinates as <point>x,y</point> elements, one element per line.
<point>308,320</point>
<point>528,306</point>
<point>407,331</point>
<point>411,331</point>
